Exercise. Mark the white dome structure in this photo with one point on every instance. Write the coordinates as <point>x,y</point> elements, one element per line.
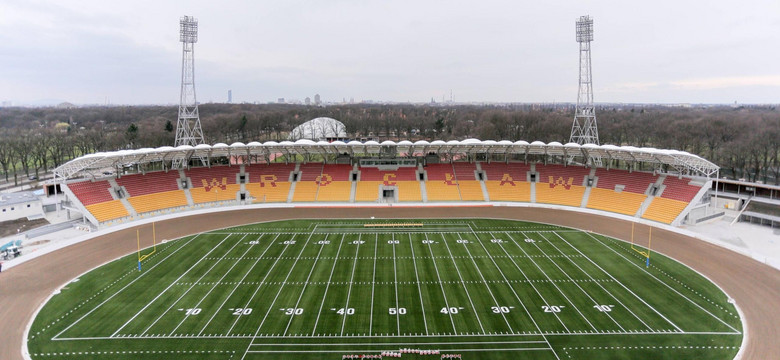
<point>321,128</point>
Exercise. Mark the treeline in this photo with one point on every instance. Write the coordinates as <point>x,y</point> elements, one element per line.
<point>744,141</point>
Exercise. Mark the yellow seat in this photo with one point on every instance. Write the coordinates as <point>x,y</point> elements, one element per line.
<point>559,194</point>
<point>441,190</point>
<point>367,190</point>
<point>203,195</point>
<point>409,191</point>
<point>334,191</point>
<point>108,210</point>
<point>664,210</point>
<point>508,190</point>
<point>269,192</point>
<point>627,203</point>
<point>470,190</point>
<point>305,191</point>
<point>158,201</point>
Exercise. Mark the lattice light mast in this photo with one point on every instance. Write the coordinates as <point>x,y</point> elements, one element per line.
<point>584,130</point>
<point>188,129</point>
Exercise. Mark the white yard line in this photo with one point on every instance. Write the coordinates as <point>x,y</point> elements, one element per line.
<point>395,283</point>
<point>479,271</point>
<point>659,280</point>
<point>305,284</point>
<point>325,295</point>
<point>419,290</point>
<point>599,284</point>
<point>373,282</point>
<point>621,284</point>
<point>553,283</point>
<point>271,243</point>
<point>169,286</point>
<point>271,307</point>
<point>214,286</point>
<point>260,285</point>
<point>352,278</point>
<point>444,294</point>
<point>463,284</point>
<point>331,336</point>
<point>526,278</point>
<point>595,303</point>
<point>173,303</point>
<point>125,287</point>
<point>519,300</point>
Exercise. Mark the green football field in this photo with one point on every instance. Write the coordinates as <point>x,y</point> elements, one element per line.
<point>311,289</point>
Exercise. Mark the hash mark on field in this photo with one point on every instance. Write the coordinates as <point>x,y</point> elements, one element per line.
<point>621,284</point>
<point>298,302</point>
<point>169,286</point>
<point>125,287</point>
<point>419,290</point>
<point>210,290</point>
<point>325,294</point>
<point>236,287</point>
<point>601,286</point>
<point>660,281</point>
<point>262,282</point>
<point>444,294</point>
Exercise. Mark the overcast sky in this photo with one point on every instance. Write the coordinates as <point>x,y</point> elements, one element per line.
<point>127,52</point>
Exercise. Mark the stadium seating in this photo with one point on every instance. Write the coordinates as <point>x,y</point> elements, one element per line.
<point>560,185</point>
<point>206,177</point>
<point>89,192</point>
<point>108,210</point>
<point>635,182</point>
<point>310,171</point>
<point>409,191</point>
<point>464,171</point>
<point>625,202</point>
<point>158,201</point>
<point>149,183</point>
<point>497,171</point>
<point>269,192</point>
<point>216,193</point>
<point>565,175</point>
<point>333,191</point>
<point>367,191</point>
<point>338,172</point>
<point>439,190</point>
<point>266,173</point>
<point>508,190</point>
<point>559,194</point>
<point>401,174</point>
<point>664,210</point>
<point>470,190</point>
<point>305,191</point>
<point>441,184</point>
<point>678,189</point>
<point>335,184</point>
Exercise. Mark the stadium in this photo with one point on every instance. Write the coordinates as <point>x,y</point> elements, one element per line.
<point>331,245</point>
<point>390,249</point>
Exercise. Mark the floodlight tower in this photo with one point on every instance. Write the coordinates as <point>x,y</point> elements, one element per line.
<point>187,134</point>
<point>584,130</point>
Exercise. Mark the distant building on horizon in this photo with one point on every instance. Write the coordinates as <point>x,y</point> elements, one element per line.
<point>307,101</point>
<point>317,100</point>
<point>280,100</point>
<point>230,96</point>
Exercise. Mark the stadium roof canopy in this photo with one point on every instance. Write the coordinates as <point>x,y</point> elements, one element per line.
<point>682,161</point>
<point>321,128</point>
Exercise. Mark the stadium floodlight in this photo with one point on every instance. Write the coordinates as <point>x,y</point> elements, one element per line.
<point>584,129</point>
<point>187,133</point>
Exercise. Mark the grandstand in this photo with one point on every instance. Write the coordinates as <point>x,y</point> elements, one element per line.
<point>658,196</point>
